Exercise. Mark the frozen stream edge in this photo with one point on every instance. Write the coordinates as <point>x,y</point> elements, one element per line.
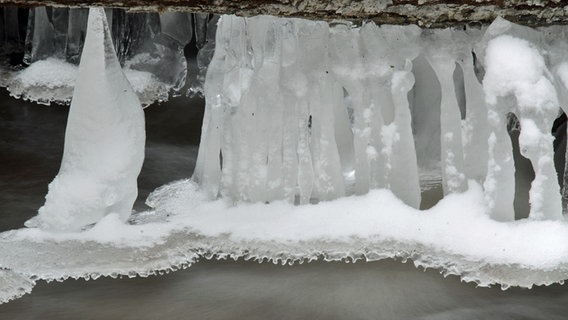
<point>180,231</point>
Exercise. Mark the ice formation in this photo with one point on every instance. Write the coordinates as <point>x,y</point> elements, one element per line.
<point>146,43</point>
<point>345,123</point>
<point>303,150</point>
<point>104,141</point>
<point>313,144</point>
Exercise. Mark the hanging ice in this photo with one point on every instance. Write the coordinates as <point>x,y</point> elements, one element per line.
<point>442,56</point>
<point>521,85</point>
<point>149,45</point>
<point>104,141</point>
<point>262,143</point>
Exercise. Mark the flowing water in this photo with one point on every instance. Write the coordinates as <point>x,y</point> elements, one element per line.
<point>31,144</point>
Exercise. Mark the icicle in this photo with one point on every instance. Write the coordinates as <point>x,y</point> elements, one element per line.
<point>328,179</point>
<point>60,22</point>
<point>351,71</point>
<point>208,165</point>
<point>475,128</point>
<point>561,73</point>
<point>12,41</point>
<point>442,58</point>
<point>557,41</point>
<point>402,168</point>
<point>178,26</point>
<point>40,36</point>
<point>77,28</point>
<point>522,86</point>
<point>205,42</point>
<point>202,32</point>
<point>291,93</point>
<point>104,142</point>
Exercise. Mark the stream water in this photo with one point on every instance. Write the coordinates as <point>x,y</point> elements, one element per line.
<point>31,144</point>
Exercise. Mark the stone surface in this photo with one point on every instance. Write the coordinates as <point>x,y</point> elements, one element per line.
<point>426,13</point>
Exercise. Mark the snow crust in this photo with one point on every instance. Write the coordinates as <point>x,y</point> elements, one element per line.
<point>456,236</point>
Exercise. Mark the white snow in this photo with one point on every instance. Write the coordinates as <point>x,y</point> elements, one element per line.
<point>458,227</point>
<point>514,66</point>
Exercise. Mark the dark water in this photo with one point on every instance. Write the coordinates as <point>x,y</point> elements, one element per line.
<point>31,144</point>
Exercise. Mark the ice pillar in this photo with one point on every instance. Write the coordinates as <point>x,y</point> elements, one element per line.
<point>522,86</point>
<point>104,141</point>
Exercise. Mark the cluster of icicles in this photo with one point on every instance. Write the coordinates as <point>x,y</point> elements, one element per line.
<point>146,42</point>
<point>307,111</point>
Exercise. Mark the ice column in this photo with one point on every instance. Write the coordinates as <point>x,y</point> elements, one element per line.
<point>397,48</point>
<point>77,26</point>
<point>475,128</point>
<point>442,55</point>
<point>522,85</point>
<point>322,96</point>
<point>557,47</point>
<point>295,109</point>
<point>357,76</point>
<point>10,38</point>
<point>40,36</point>
<point>104,141</point>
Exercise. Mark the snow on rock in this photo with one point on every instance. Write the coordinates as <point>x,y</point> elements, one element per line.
<point>104,141</point>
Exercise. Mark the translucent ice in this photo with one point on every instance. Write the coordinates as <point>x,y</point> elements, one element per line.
<point>442,55</point>
<point>263,143</point>
<point>145,42</point>
<point>104,141</point>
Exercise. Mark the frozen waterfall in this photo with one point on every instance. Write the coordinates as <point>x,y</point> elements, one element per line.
<point>319,141</point>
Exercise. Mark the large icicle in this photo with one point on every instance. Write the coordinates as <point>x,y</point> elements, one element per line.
<point>40,36</point>
<point>442,56</point>
<point>402,168</point>
<point>104,141</point>
<point>475,128</point>
<point>523,86</point>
